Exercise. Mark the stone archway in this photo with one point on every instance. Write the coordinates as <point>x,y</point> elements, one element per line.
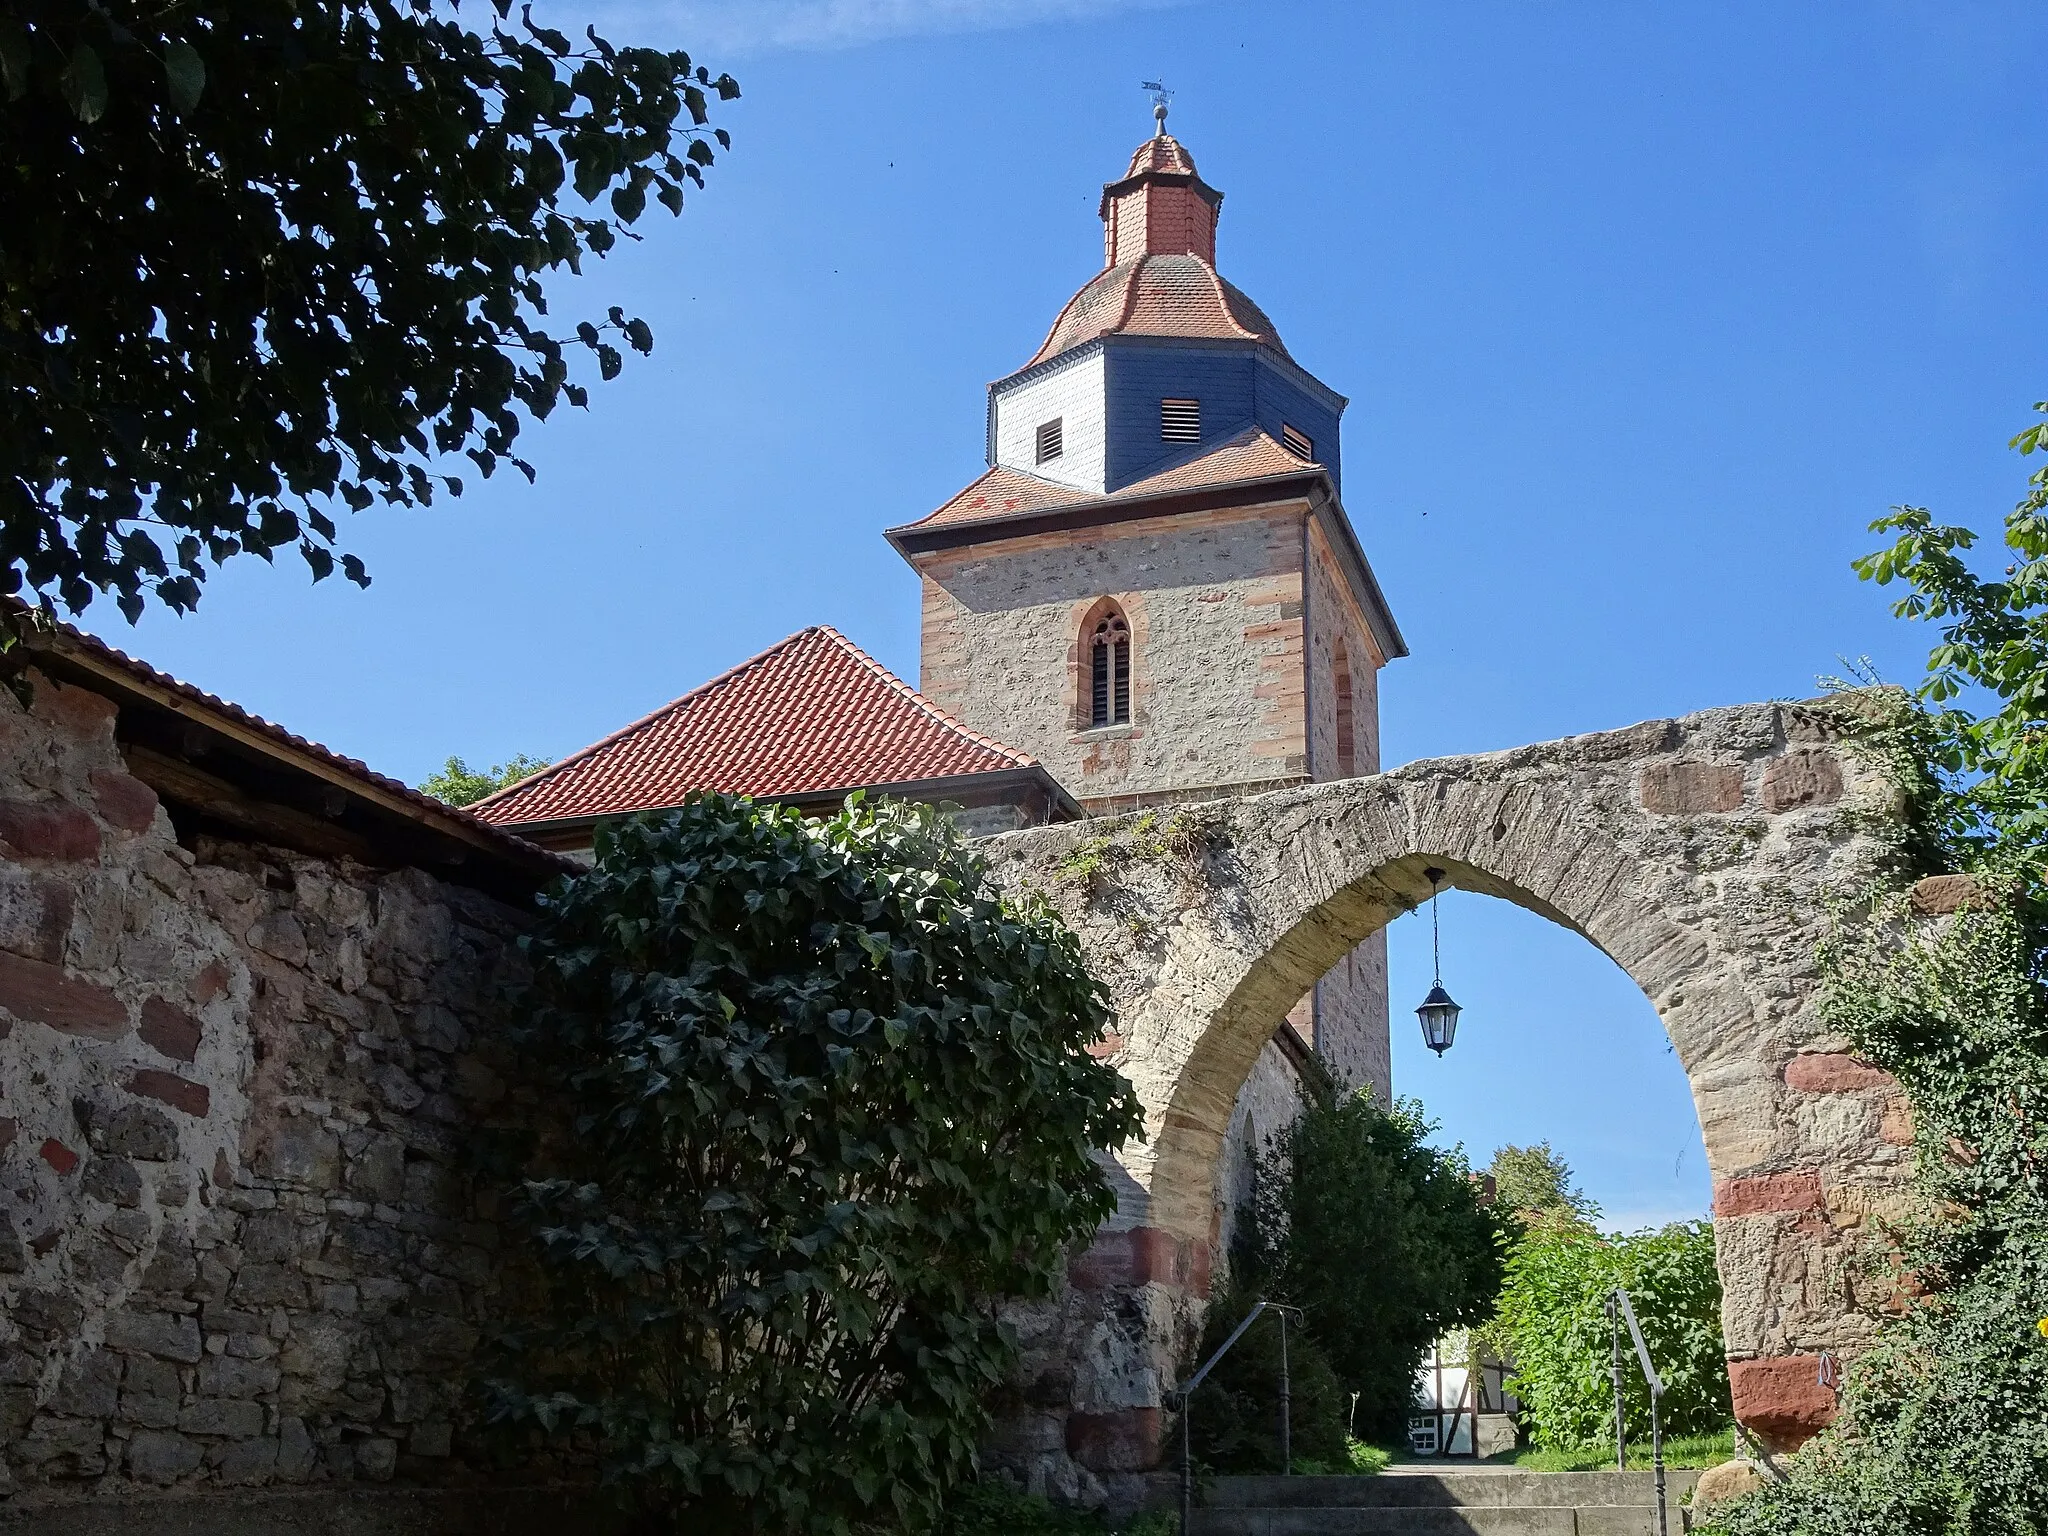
<point>1703,855</point>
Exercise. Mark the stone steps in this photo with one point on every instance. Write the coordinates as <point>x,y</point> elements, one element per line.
<point>1495,1502</point>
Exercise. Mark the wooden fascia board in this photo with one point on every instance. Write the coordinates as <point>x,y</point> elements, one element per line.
<point>116,679</point>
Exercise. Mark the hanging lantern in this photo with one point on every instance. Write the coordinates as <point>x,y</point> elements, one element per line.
<point>1439,1015</point>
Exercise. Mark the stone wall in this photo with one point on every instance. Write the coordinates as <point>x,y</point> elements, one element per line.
<point>237,1246</point>
<point>1214,601</point>
<point>1703,855</point>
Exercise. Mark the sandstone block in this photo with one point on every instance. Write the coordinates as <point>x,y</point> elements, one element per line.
<point>1800,779</point>
<point>160,1456</point>
<point>1690,788</point>
<point>182,1094</point>
<point>1781,1398</point>
<point>211,982</point>
<point>1124,1440</point>
<point>1768,1194</point>
<point>124,800</point>
<point>45,994</point>
<point>1834,1072</point>
<point>169,1031</point>
<point>49,829</point>
<point>1939,895</point>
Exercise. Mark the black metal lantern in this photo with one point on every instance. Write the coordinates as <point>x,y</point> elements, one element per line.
<point>1439,1015</point>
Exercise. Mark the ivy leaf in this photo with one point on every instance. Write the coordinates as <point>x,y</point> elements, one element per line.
<point>84,83</point>
<point>14,58</point>
<point>185,73</point>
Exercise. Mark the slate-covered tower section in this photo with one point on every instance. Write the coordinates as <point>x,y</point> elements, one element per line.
<point>1154,588</point>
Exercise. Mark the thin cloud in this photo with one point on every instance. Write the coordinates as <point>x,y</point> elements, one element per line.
<point>733,28</point>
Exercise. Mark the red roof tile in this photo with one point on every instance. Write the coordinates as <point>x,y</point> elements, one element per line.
<point>1160,295</point>
<point>1162,152</point>
<point>812,714</point>
<point>1004,493</point>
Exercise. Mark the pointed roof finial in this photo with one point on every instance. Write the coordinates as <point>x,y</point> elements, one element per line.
<point>1160,97</point>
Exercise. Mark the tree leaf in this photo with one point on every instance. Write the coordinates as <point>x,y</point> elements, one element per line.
<point>186,74</point>
<point>84,84</point>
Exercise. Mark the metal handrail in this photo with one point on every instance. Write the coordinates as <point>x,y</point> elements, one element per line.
<point>1618,1308</point>
<point>1179,1402</point>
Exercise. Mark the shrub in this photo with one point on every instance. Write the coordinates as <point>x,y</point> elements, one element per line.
<point>1553,1322</point>
<point>1234,1419</point>
<point>829,1093</point>
<point>1381,1239</point>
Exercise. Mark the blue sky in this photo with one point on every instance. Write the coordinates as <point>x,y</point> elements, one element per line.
<point>1643,311</point>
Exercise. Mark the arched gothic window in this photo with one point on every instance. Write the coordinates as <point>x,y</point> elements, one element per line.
<point>1347,737</point>
<point>1109,672</point>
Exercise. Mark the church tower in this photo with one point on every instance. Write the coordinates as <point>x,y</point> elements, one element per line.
<point>1154,589</point>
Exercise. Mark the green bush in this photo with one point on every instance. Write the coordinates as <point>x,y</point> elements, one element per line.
<point>830,1093</point>
<point>1553,1323</point>
<point>1234,1419</point>
<point>1381,1239</point>
<point>994,1508</point>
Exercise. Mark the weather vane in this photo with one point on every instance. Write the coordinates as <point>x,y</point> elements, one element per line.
<point>1160,97</point>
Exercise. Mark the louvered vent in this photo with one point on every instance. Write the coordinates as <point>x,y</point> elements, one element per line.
<point>1300,444</point>
<point>1180,421</point>
<point>1050,444</point>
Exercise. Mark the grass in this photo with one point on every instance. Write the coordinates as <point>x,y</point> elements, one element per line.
<point>1361,1460</point>
<point>1679,1451</point>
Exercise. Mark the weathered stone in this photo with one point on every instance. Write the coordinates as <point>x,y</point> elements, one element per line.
<point>232,1417</point>
<point>1782,1399</point>
<point>49,829</point>
<point>225,1376</point>
<point>1691,789</point>
<point>89,1387</point>
<point>378,1459</point>
<point>114,1180</point>
<point>1939,895</point>
<point>159,1456</point>
<point>1800,779</point>
<point>1730,1480</point>
<point>1125,1440</point>
<point>431,1439</point>
<point>136,1130</point>
<point>1767,1194</point>
<point>378,1171</point>
<point>35,914</point>
<point>210,982</point>
<point>124,800</point>
<point>57,1155</point>
<point>172,1268</point>
<point>60,1447</point>
<point>281,936</point>
<point>246,1461</point>
<point>303,1151</point>
<point>165,1334</point>
<point>268,1285</point>
<point>1834,1072</point>
<point>169,1031</point>
<point>180,1093</point>
<point>43,993</point>
<point>297,1455</point>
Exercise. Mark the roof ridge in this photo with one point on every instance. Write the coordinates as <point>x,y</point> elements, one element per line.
<point>1223,300</point>
<point>951,722</point>
<point>646,720</point>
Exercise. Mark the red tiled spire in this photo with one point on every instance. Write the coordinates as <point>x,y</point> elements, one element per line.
<point>1162,207</point>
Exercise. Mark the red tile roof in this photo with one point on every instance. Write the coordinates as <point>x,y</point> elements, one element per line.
<point>1004,492</point>
<point>812,714</point>
<point>1162,152</point>
<point>1160,295</point>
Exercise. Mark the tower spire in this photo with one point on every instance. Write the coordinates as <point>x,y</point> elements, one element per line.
<point>1160,97</point>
